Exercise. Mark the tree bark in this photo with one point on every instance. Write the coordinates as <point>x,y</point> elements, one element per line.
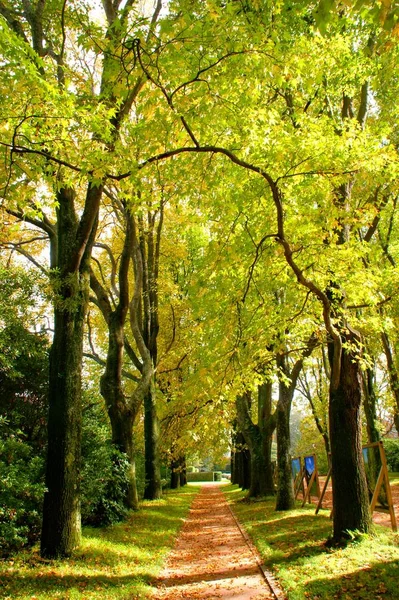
<point>258,438</point>
<point>61,512</point>
<point>178,473</point>
<point>393,375</point>
<point>285,491</point>
<point>122,411</point>
<point>183,471</point>
<point>153,488</point>
<point>370,405</point>
<point>175,466</point>
<point>150,243</point>
<point>241,474</point>
<point>350,496</point>
<point>122,419</point>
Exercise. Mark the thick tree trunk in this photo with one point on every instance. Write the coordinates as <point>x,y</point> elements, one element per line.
<point>121,415</point>
<point>245,469</point>
<point>261,471</point>
<point>242,462</point>
<point>350,496</point>
<point>153,488</point>
<point>175,474</point>
<point>61,511</point>
<point>285,492</point>
<point>183,472</point>
<point>122,423</point>
<point>267,425</point>
<point>258,438</point>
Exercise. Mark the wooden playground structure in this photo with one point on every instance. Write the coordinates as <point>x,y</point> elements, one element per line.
<point>307,482</point>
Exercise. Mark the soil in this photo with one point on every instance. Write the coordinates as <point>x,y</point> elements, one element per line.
<point>211,558</point>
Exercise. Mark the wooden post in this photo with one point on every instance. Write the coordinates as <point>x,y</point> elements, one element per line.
<point>383,476</point>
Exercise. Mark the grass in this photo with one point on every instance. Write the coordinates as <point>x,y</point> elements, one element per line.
<point>292,547</point>
<point>114,563</point>
<point>394,478</point>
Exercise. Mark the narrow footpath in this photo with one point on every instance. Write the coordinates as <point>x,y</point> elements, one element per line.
<point>211,558</point>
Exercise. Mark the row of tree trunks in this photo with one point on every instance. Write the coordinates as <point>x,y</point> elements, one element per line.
<point>258,438</point>
<point>240,461</point>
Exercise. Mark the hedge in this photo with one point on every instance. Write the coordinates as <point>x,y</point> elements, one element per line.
<point>208,476</point>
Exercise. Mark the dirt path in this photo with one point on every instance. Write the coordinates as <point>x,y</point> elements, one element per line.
<point>211,558</point>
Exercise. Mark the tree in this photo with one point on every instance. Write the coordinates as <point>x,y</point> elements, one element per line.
<point>124,408</point>
<point>68,149</point>
<point>258,437</point>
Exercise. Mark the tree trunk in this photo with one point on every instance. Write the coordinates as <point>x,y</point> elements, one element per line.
<point>267,425</point>
<point>242,462</point>
<point>393,375</point>
<point>175,474</point>
<point>183,472</point>
<point>61,510</point>
<point>153,488</point>
<point>285,491</point>
<point>350,496</point>
<point>121,416</point>
<point>122,423</point>
<point>245,469</point>
<point>370,405</point>
<point>258,438</point>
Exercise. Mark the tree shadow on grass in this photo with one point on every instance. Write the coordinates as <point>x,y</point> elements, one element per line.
<point>376,581</point>
<point>51,583</point>
<point>290,538</point>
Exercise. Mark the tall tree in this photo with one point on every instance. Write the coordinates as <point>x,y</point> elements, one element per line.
<point>38,34</point>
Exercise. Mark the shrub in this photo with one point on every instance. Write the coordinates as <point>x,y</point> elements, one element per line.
<point>22,479</point>
<point>104,491</point>
<point>392,454</point>
<point>104,470</point>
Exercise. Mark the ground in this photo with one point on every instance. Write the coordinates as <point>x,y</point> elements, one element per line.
<point>212,558</point>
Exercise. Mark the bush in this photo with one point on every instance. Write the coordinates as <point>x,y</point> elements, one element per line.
<point>22,480</point>
<point>392,454</point>
<point>104,490</point>
<point>104,470</point>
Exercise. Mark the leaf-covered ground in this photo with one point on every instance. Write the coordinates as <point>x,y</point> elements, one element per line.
<point>211,558</point>
<point>292,546</point>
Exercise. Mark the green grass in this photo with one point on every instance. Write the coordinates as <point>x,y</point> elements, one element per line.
<point>292,547</point>
<point>394,478</point>
<point>113,563</point>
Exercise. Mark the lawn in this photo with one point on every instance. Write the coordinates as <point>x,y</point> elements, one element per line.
<point>113,563</point>
<point>292,547</point>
